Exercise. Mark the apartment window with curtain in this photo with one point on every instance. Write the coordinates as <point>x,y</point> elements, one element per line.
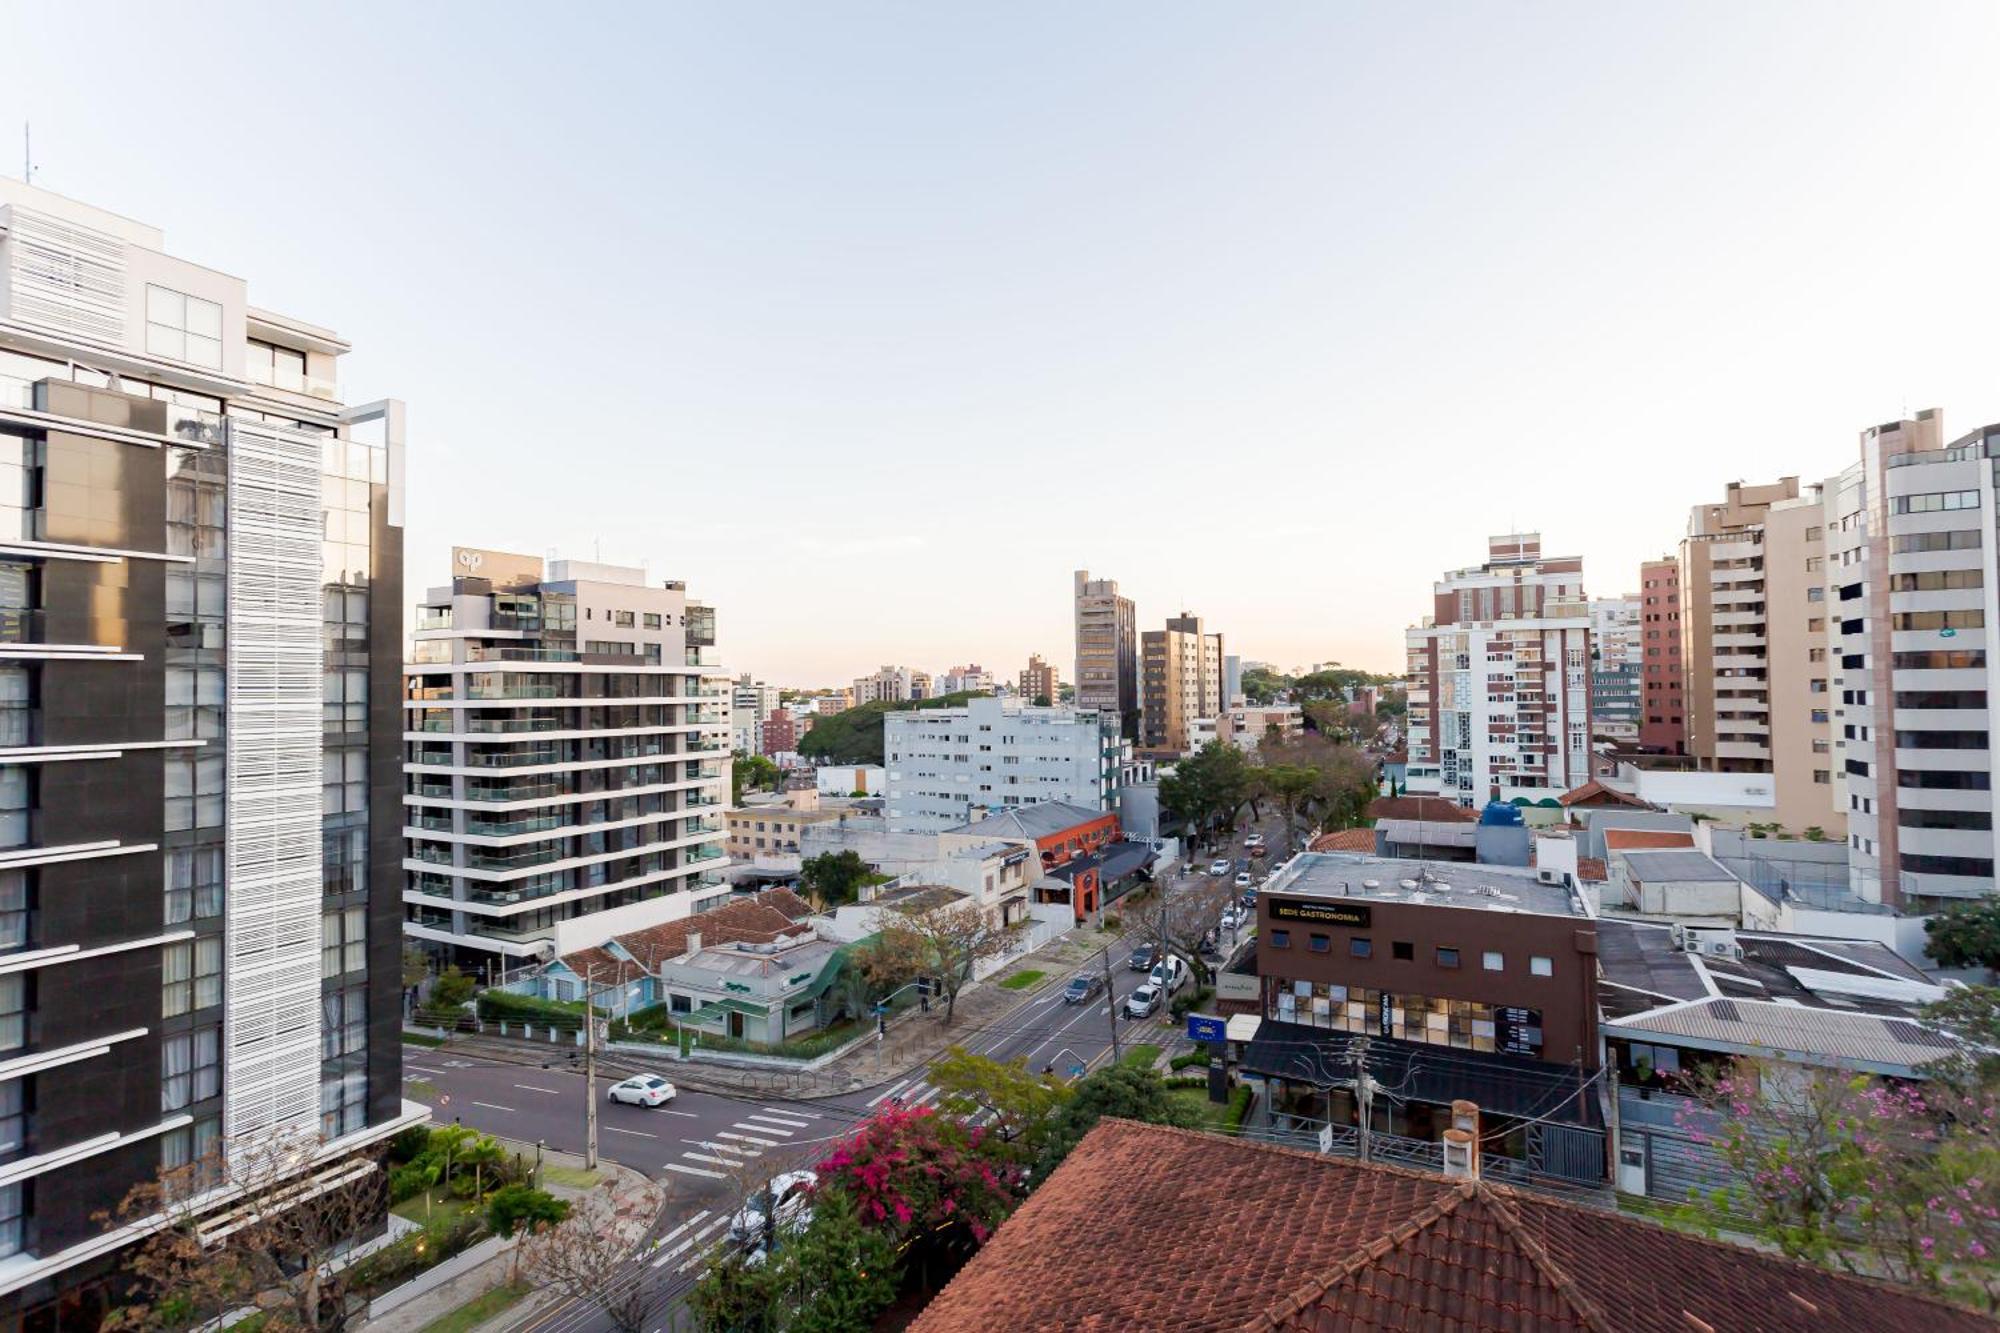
<point>343,942</point>
<point>190,1068</point>
<point>17,715</point>
<point>17,799</point>
<point>13,1225</point>
<point>13,1012</point>
<point>13,909</point>
<point>191,975</point>
<point>194,883</point>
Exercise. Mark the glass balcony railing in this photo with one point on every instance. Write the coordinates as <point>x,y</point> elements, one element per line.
<point>435,823</point>
<point>706,852</point>
<point>501,828</point>
<point>504,725</point>
<point>512,858</point>
<point>440,791</point>
<point>514,692</point>
<point>427,851</point>
<point>431,757</point>
<point>512,759</point>
<point>512,791</point>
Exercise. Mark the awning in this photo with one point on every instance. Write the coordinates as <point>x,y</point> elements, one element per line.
<point>1508,1085</point>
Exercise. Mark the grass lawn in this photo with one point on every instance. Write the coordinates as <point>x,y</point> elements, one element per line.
<point>419,1039</point>
<point>572,1177</point>
<point>1141,1056</point>
<point>1023,979</point>
<point>422,1089</point>
<point>443,1207</point>
<point>1223,1118</point>
<point>477,1310</point>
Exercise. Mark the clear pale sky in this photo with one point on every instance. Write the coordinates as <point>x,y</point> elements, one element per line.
<point>873,322</point>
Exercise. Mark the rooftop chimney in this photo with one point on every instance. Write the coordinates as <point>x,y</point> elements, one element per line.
<point>1461,1142</point>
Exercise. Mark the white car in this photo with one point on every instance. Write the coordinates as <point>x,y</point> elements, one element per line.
<point>1142,1002</point>
<point>793,1191</point>
<point>1243,879</point>
<point>1220,868</point>
<point>1254,840</point>
<point>643,1090</point>
<point>1169,974</point>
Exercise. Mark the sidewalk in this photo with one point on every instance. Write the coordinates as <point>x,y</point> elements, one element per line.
<point>913,1040</point>
<point>466,1287</point>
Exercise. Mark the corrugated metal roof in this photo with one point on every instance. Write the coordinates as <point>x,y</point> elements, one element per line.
<point>1794,1032</point>
<point>1659,866</point>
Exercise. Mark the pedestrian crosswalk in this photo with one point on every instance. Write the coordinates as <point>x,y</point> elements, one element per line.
<point>693,1234</point>
<point>744,1141</point>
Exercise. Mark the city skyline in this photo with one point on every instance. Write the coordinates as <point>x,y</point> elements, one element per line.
<point>874,252</point>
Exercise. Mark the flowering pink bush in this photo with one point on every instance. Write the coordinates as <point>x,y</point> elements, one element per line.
<point>914,1172</point>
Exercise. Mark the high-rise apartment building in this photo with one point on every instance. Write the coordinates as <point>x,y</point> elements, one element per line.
<point>1753,646</point>
<point>1107,652</point>
<point>1038,681</point>
<point>1180,683</point>
<point>1617,662</point>
<point>973,679</point>
<point>200,634</point>
<point>1662,703</point>
<point>891,685</point>
<point>1911,581</point>
<point>751,702</point>
<point>948,766</point>
<point>566,771</point>
<point>1499,679</point>
<point>1232,681</point>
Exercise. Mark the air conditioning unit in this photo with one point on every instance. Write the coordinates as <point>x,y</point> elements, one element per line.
<point>1548,875</point>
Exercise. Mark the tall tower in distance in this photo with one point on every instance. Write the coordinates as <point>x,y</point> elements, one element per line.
<point>1107,652</point>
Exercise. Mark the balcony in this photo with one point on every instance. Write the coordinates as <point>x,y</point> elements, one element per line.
<point>512,858</point>
<point>431,852</point>
<point>705,852</point>
<point>513,791</point>
<point>431,757</point>
<point>502,828</point>
<point>437,791</point>
<point>489,726</point>
<point>512,759</point>
<point>514,690</point>
<point>434,823</point>
<point>496,653</point>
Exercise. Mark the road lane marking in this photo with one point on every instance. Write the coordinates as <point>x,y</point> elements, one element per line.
<point>714,1161</point>
<point>748,1138</point>
<point>491,1107</point>
<point>780,1111</point>
<point>782,1120</point>
<point>925,1096</point>
<point>693,1171</point>
<point>731,1149</point>
<point>439,1073</point>
<point>684,1245</point>
<point>667,1110</point>
<point>529,1087</point>
<point>762,1129</point>
<point>879,1097</point>
<point>692,1219</point>
<point>640,1132</point>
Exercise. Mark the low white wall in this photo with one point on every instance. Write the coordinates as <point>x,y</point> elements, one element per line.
<point>1904,934</point>
<point>433,1278</point>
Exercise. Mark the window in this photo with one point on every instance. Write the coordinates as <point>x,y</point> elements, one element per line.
<point>194,691</point>
<point>622,619</point>
<point>190,1068</point>
<point>1943,779</point>
<point>1447,957</point>
<point>1933,502</point>
<point>651,620</point>
<point>1940,740</point>
<point>190,1143</point>
<point>1281,939</point>
<point>194,883</point>
<point>1950,660</point>
<point>13,1012</point>
<point>1933,580</point>
<point>343,942</point>
<point>194,790</point>
<point>1969,619</point>
<point>1962,539</point>
<point>1493,961</point>
<point>343,1100</point>
<point>679,1004</point>
<point>12,1223</point>
<point>343,1026</point>
<point>343,781</point>
<point>13,909</point>
<point>183,328</point>
<point>191,975</point>
<point>13,1116</point>
<point>1955,819</point>
<point>1319,944</point>
<point>1541,967</point>
<point>1402,951</point>
<point>16,800</point>
<point>1359,947</point>
<point>1980,866</point>
<point>344,698</point>
<point>1940,698</point>
<point>278,367</point>
<point>17,708</point>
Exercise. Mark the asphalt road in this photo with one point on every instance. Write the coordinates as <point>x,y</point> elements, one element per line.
<point>712,1152</point>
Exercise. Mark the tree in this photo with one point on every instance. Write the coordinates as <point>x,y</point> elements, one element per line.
<point>276,1251</point>
<point>1972,1014</point>
<point>950,937</point>
<point>1019,1101</point>
<point>1041,701</point>
<point>834,878</point>
<point>1263,686</point>
<point>517,1207</point>
<point>734,1295</point>
<point>752,772</point>
<point>416,966</point>
<point>885,962</point>
<point>1859,1174</point>
<point>912,1172</point>
<point>1115,1090</point>
<point>451,989</point>
<point>841,1274</point>
<point>584,1256</point>
<point>1967,935</point>
<point>1208,789</point>
<point>855,735</point>
<point>1331,719</point>
<point>1182,913</point>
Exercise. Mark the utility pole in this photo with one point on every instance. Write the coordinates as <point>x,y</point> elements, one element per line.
<point>1364,1092</point>
<point>589,1070</point>
<point>1111,1001</point>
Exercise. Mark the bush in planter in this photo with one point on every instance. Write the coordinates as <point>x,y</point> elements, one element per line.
<point>1188,1000</point>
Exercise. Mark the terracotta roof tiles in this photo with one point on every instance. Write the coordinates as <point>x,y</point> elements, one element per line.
<point>1434,808</point>
<point>751,920</point>
<point>1188,1231</point>
<point>1634,839</point>
<point>1346,840</point>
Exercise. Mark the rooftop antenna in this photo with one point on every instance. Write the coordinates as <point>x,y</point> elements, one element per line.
<point>27,152</point>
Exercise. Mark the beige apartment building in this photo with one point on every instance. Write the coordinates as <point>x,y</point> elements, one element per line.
<point>1038,680</point>
<point>1107,652</point>
<point>1754,647</point>
<point>1180,682</point>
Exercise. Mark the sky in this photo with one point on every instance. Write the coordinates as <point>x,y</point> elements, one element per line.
<point>873,322</point>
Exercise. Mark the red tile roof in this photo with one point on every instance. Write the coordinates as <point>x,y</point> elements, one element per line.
<point>1590,870</point>
<point>602,966</point>
<point>1637,839</point>
<point>1345,840</point>
<point>1594,793</point>
<point>757,920</point>
<point>1181,1230</point>
<point>1434,808</point>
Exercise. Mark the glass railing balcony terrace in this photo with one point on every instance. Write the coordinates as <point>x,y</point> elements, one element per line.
<point>705,852</point>
<point>430,757</point>
<point>511,858</point>
<point>435,886</point>
<point>503,725</point>
<point>435,823</point>
<point>513,791</point>
<point>427,851</point>
<point>434,620</point>
<point>512,759</point>
<point>501,828</point>
<point>509,653</point>
<point>432,920</point>
<point>516,691</point>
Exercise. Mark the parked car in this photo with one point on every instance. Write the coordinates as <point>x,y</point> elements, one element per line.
<point>1142,1002</point>
<point>1170,973</point>
<point>1249,900</point>
<point>1254,840</point>
<point>1232,917</point>
<point>1259,850</point>
<point>793,1194</point>
<point>1243,879</point>
<point>1081,987</point>
<point>1220,868</point>
<point>643,1090</point>
<point>1144,957</point>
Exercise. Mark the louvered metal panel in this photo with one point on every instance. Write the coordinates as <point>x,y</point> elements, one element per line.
<point>65,278</point>
<point>271,1014</point>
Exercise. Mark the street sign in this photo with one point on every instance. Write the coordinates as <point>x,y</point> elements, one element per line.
<point>1326,1137</point>
<point>1201,1027</point>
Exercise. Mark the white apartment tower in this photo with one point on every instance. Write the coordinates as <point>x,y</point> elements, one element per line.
<point>567,770</point>
<point>1499,679</point>
<point>1911,619</point>
<point>947,766</point>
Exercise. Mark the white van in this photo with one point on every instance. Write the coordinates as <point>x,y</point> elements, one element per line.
<point>1169,974</point>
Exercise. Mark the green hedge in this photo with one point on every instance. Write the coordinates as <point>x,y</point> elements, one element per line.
<point>1188,1000</point>
<point>500,1004</point>
<point>1189,1060</point>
